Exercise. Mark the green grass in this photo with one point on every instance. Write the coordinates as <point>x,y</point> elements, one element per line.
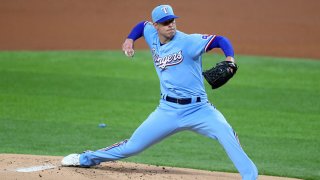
<point>52,102</point>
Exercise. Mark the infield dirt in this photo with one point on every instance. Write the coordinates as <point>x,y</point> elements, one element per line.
<point>10,163</point>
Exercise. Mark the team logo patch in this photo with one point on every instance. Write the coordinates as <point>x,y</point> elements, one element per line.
<point>205,36</point>
<point>169,60</point>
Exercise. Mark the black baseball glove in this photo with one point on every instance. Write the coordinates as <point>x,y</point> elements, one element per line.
<point>220,74</point>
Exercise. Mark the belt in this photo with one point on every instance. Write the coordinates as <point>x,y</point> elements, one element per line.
<point>180,100</point>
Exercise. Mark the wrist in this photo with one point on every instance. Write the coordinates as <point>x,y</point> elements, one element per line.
<point>230,58</point>
<point>129,40</point>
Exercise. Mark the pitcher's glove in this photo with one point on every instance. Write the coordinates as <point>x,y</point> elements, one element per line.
<point>219,75</point>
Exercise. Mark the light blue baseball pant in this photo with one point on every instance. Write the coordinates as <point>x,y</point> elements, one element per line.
<point>170,118</point>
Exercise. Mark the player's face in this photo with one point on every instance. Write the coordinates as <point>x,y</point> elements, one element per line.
<point>166,30</point>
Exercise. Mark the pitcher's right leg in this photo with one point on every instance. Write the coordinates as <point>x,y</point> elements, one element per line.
<point>155,128</point>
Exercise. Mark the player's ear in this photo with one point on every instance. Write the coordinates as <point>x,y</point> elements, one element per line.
<point>155,25</point>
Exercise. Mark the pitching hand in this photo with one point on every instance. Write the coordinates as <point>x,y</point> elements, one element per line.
<point>127,47</point>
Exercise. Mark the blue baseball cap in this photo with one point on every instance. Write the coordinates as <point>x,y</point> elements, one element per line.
<point>162,13</point>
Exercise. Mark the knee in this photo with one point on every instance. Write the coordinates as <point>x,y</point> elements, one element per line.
<point>132,149</point>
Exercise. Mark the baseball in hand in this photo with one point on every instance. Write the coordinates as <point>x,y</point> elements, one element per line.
<point>129,53</point>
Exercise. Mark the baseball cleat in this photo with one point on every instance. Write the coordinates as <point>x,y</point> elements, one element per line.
<point>71,160</point>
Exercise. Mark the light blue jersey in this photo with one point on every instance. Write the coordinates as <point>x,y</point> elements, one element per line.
<point>179,62</point>
<point>183,105</point>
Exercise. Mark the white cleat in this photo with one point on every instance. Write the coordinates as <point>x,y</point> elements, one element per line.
<point>71,160</point>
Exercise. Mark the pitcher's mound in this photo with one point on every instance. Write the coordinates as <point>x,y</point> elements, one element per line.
<point>18,166</point>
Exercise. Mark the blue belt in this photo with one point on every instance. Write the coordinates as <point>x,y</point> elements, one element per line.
<point>180,100</point>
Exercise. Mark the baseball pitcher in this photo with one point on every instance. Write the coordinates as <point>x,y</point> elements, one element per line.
<point>183,104</point>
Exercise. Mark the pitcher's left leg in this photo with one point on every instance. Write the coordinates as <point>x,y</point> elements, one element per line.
<point>211,123</point>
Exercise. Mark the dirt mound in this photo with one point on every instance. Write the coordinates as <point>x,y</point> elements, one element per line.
<point>18,166</point>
